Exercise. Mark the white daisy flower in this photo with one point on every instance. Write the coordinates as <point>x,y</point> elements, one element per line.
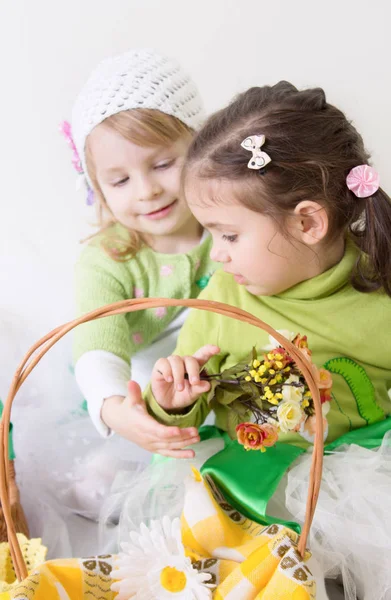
<point>154,565</point>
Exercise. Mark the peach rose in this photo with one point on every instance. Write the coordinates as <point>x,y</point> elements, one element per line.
<point>256,437</point>
<point>323,378</point>
<point>271,434</point>
<point>300,341</point>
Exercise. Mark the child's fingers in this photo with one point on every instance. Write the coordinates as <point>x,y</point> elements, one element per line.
<point>169,433</point>
<point>158,445</point>
<point>176,443</point>
<point>205,353</point>
<point>200,388</point>
<point>192,369</point>
<point>180,445</point>
<point>134,391</point>
<point>173,368</point>
<point>163,370</point>
<point>178,372</point>
<point>177,453</point>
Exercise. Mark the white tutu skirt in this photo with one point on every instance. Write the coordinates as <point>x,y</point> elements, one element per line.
<point>351,532</point>
<point>65,471</point>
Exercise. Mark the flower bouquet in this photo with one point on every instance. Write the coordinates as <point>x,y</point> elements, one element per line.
<point>267,395</point>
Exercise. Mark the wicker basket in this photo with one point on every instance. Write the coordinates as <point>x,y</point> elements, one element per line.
<point>18,516</point>
<point>8,489</point>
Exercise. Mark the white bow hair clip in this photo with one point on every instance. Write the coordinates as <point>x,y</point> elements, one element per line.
<point>253,144</point>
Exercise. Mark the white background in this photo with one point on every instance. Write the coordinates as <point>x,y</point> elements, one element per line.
<point>47,49</point>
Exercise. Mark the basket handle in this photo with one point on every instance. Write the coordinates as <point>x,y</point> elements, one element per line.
<point>39,349</point>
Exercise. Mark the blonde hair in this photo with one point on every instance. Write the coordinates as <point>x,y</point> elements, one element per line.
<point>144,127</point>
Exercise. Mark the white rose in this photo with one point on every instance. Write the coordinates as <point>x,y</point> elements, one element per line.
<point>289,415</point>
<point>291,393</point>
<point>289,335</point>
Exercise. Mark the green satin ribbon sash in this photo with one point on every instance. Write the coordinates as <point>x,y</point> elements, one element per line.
<point>369,437</point>
<point>248,479</point>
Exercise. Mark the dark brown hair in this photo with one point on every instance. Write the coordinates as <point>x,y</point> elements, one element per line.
<point>313,147</point>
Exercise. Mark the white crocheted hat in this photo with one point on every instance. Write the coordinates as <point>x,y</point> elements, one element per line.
<point>136,79</point>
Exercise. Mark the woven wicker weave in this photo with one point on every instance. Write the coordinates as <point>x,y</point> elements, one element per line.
<point>17,513</point>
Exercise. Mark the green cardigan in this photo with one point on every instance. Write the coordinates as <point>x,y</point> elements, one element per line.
<point>101,280</point>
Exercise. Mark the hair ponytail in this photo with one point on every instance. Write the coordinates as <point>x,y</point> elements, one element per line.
<point>373,237</point>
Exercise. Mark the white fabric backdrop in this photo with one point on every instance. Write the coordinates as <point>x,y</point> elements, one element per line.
<point>48,49</point>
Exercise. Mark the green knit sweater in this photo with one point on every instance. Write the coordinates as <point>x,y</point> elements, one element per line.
<point>101,280</point>
<point>348,332</point>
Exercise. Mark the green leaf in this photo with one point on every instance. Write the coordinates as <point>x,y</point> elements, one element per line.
<point>211,394</point>
<point>233,420</point>
<point>223,393</point>
<point>259,402</point>
<point>226,396</point>
<point>250,389</point>
<point>235,371</point>
<point>240,409</point>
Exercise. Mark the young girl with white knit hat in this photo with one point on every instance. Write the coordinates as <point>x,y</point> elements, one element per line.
<point>132,124</point>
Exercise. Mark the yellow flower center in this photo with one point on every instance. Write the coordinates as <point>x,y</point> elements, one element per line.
<point>172,580</point>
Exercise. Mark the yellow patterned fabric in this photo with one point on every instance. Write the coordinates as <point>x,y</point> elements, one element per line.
<point>68,579</point>
<point>246,561</point>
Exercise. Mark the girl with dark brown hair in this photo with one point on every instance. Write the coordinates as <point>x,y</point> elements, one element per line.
<point>303,231</point>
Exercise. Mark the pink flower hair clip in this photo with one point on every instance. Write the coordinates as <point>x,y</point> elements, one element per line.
<point>363,181</point>
<point>66,130</point>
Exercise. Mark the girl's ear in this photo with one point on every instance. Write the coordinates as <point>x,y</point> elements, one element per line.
<point>312,220</point>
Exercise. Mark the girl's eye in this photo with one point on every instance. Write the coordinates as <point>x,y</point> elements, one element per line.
<point>165,164</point>
<point>230,238</point>
<point>121,182</point>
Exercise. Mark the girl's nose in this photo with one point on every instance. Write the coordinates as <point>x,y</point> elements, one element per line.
<point>219,255</point>
<point>148,189</point>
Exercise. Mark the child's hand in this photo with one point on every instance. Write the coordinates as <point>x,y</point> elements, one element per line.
<point>129,418</point>
<point>170,388</point>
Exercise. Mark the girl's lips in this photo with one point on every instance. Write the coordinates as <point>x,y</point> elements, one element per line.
<point>161,213</point>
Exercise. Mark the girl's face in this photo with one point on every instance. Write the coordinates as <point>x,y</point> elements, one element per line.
<point>250,245</point>
<point>141,185</point>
